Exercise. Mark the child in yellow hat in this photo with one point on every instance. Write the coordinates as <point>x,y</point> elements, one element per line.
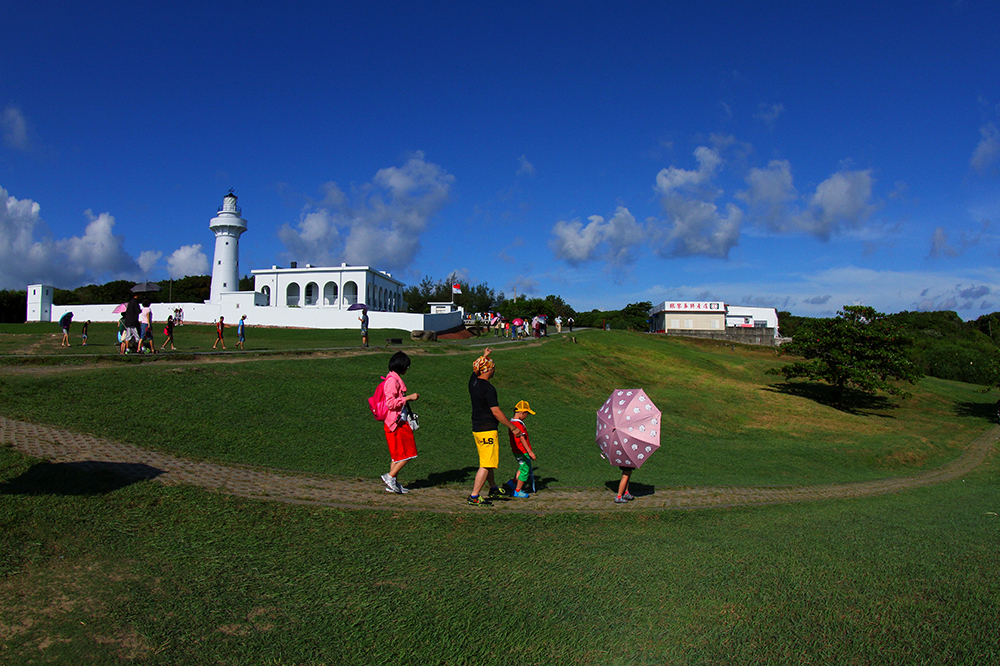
<point>521,448</point>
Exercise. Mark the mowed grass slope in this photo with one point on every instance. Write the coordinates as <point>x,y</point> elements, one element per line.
<point>174,575</point>
<point>725,421</point>
<point>95,573</point>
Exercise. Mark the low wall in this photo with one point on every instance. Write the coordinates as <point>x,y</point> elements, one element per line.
<point>743,336</point>
<point>308,317</point>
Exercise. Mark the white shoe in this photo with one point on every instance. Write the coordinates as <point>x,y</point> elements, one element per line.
<point>390,483</point>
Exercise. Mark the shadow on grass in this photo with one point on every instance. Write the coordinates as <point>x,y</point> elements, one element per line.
<point>464,475</point>
<point>854,402</point>
<point>986,411</point>
<point>89,477</point>
<point>637,489</point>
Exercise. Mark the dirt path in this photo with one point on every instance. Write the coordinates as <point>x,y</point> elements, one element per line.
<point>89,452</point>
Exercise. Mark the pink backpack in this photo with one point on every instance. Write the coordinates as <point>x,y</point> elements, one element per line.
<point>377,402</point>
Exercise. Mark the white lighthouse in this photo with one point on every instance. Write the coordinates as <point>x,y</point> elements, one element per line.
<point>228,226</point>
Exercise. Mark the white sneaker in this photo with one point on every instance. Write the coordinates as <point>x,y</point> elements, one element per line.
<point>390,483</point>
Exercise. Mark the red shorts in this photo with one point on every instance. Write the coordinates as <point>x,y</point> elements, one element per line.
<point>401,444</point>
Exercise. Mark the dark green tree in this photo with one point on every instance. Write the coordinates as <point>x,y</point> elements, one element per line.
<point>13,306</point>
<point>859,348</point>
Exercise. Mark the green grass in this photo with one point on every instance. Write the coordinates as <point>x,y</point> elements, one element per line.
<point>43,340</point>
<point>181,576</point>
<point>724,422</point>
<point>95,573</point>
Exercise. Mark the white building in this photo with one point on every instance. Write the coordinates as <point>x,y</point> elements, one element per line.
<point>309,297</point>
<point>323,287</point>
<point>688,316</point>
<point>228,226</point>
<point>743,316</point>
<point>715,319</point>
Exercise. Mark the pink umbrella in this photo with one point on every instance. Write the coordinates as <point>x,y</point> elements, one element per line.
<point>119,309</point>
<point>628,428</point>
<point>517,322</point>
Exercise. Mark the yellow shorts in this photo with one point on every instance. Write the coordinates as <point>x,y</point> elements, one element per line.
<point>488,445</point>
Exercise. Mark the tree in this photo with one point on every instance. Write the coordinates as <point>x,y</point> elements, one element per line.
<point>859,348</point>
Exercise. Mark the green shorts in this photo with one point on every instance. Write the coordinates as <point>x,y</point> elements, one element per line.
<point>523,466</point>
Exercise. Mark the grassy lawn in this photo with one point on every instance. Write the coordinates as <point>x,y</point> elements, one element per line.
<point>43,339</point>
<point>176,575</point>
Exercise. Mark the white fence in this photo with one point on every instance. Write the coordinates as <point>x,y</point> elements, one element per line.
<point>306,317</point>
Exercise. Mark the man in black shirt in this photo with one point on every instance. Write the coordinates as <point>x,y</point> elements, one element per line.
<point>486,417</point>
<point>131,319</point>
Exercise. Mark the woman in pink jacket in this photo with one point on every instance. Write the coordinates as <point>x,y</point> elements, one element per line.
<point>399,436</point>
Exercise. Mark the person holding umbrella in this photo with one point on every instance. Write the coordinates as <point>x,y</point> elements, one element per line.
<point>131,320</point>
<point>364,326</point>
<point>64,323</point>
<point>628,432</point>
<point>486,417</point>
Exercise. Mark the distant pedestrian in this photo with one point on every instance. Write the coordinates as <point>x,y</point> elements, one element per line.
<point>64,324</point>
<point>571,321</point>
<point>131,319</point>
<point>220,328</point>
<point>558,323</point>
<point>364,327</point>
<point>147,340</point>
<point>241,331</point>
<point>83,332</point>
<point>168,331</point>
<point>145,319</point>
<point>398,434</point>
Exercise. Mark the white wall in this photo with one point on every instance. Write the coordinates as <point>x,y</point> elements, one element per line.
<point>235,305</point>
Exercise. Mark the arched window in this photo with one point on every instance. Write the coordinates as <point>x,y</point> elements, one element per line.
<point>350,293</point>
<point>292,295</point>
<point>267,293</point>
<point>330,293</point>
<point>312,293</point>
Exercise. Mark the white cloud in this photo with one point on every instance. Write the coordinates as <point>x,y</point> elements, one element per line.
<point>69,262</point>
<point>769,112</point>
<point>383,225</point>
<point>771,193</point>
<point>524,167</point>
<point>15,129</point>
<point>523,286</point>
<point>695,225</point>
<point>842,200</point>
<point>822,293</point>
<point>699,228</point>
<point>187,260</point>
<point>575,243</point>
<point>940,246</point>
<point>673,179</point>
<point>988,148</point>
<point>614,240</point>
<point>148,259</point>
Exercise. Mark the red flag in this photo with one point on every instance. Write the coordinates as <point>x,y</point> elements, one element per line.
<point>456,289</point>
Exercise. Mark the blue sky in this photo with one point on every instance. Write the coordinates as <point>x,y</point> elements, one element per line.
<point>800,155</point>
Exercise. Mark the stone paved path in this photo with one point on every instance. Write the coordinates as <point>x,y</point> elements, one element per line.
<point>87,451</point>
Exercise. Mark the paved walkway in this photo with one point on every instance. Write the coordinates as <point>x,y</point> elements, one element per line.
<point>136,464</point>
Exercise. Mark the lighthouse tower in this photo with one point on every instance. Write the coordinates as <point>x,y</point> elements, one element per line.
<point>228,227</point>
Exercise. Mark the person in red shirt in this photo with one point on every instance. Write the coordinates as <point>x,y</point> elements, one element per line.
<point>521,448</point>
<point>220,328</point>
